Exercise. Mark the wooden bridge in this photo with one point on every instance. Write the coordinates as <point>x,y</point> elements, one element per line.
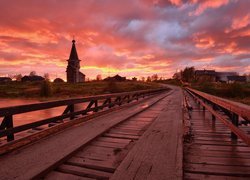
<point>167,133</point>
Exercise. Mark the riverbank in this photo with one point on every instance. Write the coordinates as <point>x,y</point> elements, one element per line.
<point>235,91</point>
<point>35,90</point>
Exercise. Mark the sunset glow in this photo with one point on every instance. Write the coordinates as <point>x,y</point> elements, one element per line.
<point>131,38</point>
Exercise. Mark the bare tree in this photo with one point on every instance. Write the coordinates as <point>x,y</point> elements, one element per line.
<point>33,73</point>
<point>154,77</point>
<point>18,77</point>
<point>99,77</point>
<point>46,76</point>
<point>148,79</point>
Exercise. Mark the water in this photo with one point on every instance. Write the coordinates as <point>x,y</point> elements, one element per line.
<point>33,116</point>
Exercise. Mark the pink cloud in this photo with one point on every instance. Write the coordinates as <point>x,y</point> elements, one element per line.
<point>134,37</point>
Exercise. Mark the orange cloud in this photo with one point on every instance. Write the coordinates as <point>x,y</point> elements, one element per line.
<point>208,4</point>
<point>240,22</point>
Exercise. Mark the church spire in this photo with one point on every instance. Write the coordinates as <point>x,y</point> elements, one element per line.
<point>73,54</point>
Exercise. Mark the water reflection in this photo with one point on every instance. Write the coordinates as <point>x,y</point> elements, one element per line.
<point>25,118</point>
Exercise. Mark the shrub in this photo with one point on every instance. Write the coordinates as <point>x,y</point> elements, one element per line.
<point>46,89</point>
<point>112,87</point>
<point>235,90</point>
<point>207,87</point>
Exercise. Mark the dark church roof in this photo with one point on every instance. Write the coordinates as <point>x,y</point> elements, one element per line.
<point>73,54</point>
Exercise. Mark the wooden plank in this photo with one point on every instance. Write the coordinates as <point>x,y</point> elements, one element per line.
<point>84,172</point>
<point>55,175</point>
<point>47,153</point>
<point>114,131</point>
<point>196,176</point>
<point>122,136</point>
<point>243,113</point>
<point>209,153</point>
<point>218,169</point>
<point>45,105</point>
<point>217,160</point>
<point>158,153</point>
<point>238,108</point>
<point>95,156</point>
<point>106,166</point>
<point>221,148</point>
<point>108,144</point>
<point>107,139</point>
<point>219,143</point>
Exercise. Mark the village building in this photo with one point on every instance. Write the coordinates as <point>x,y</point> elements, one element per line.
<point>223,76</point>
<point>115,78</point>
<point>205,75</point>
<point>32,78</point>
<point>58,80</point>
<point>73,69</point>
<point>239,79</point>
<point>5,79</point>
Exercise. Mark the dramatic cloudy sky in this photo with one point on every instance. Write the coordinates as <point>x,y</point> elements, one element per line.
<point>129,37</point>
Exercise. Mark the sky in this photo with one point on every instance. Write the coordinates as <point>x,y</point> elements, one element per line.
<point>126,37</point>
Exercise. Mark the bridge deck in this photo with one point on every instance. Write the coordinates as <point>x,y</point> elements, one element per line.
<point>156,150</point>
<point>212,154</point>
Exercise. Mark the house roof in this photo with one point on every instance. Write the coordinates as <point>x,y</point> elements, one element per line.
<point>2,79</point>
<point>237,78</point>
<point>32,78</point>
<point>205,72</point>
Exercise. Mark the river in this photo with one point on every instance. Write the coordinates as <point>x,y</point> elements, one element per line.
<point>25,118</point>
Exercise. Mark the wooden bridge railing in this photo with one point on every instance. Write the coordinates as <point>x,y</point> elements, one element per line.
<point>95,103</point>
<point>231,109</point>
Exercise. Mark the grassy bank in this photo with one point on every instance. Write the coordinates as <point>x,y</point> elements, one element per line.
<point>39,90</point>
<point>236,92</point>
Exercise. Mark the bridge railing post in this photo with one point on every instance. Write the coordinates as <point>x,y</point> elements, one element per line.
<point>96,106</point>
<point>213,116</point>
<point>235,120</point>
<point>72,110</point>
<point>8,123</point>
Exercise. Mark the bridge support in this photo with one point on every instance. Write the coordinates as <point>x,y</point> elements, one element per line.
<point>213,116</point>
<point>235,121</point>
<point>7,124</point>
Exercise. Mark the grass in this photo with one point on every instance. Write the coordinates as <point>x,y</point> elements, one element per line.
<point>39,90</point>
<point>235,92</point>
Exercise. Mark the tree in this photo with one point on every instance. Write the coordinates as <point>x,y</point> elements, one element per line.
<point>46,76</point>
<point>33,73</point>
<point>143,79</point>
<point>177,75</point>
<point>188,74</point>
<point>18,77</point>
<point>148,79</point>
<point>154,77</point>
<point>99,77</point>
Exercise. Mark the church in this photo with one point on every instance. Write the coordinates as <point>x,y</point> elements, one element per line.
<point>73,69</point>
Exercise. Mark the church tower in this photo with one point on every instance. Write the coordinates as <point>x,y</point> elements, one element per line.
<point>73,73</point>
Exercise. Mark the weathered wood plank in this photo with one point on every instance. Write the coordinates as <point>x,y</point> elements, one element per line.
<point>84,172</point>
<point>158,153</point>
<point>211,177</point>
<point>55,175</point>
<point>217,160</point>
<point>218,169</point>
<point>46,153</point>
<point>106,166</point>
<point>122,136</point>
<point>109,144</point>
<point>114,140</point>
